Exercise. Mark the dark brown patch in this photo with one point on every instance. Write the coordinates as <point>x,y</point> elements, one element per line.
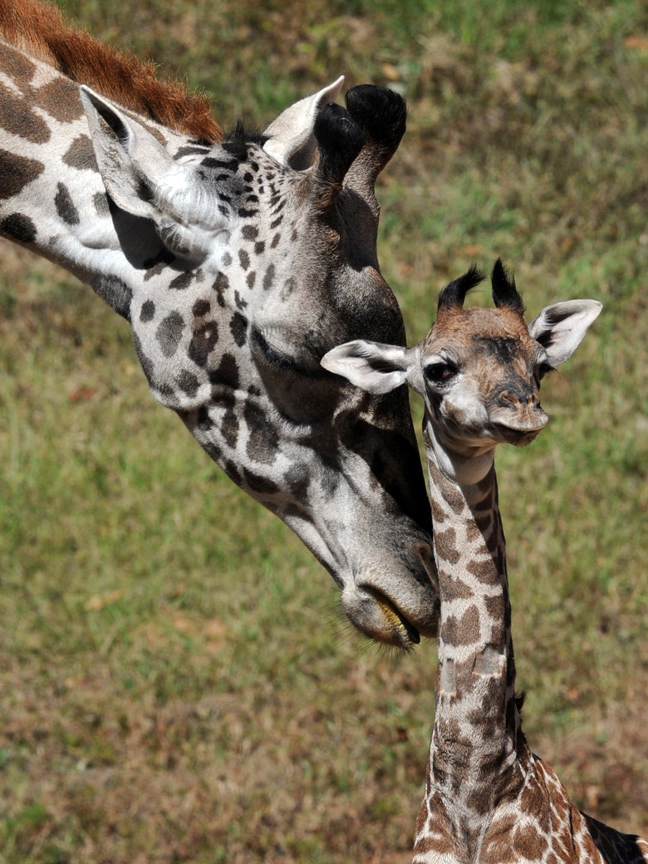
<point>262,485</point>
<point>263,440</point>
<point>60,98</point>
<point>65,205</point>
<point>230,428</point>
<point>169,333</point>
<point>188,383</point>
<point>238,327</point>
<point>268,279</point>
<point>251,279</point>
<point>464,631</point>
<point>147,312</point>
<point>18,227</point>
<point>227,373</point>
<point>201,308</point>
<point>17,66</point>
<point>455,589</point>
<point>182,281</point>
<point>445,543</point>
<point>16,172</point>
<point>102,208</point>
<point>244,259</point>
<point>18,118</point>
<point>80,155</point>
<point>203,342</point>
<point>485,571</point>
<point>438,514</point>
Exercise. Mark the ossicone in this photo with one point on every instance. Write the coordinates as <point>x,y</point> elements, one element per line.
<point>382,115</point>
<point>455,292</point>
<point>504,291</point>
<point>339,140</point>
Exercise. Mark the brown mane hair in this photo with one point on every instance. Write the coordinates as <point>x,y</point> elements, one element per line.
<point>39,29</point>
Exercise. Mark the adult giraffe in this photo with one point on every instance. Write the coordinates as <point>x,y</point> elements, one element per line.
<point>238,261</point>
<point>488,798</point>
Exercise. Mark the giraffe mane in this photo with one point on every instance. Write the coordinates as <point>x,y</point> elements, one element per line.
<point>39,29</point>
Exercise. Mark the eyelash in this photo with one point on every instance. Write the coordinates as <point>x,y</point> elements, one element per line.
<point>440,373</point>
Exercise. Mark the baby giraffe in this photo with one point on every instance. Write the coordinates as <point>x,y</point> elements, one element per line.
<point>488,799</point>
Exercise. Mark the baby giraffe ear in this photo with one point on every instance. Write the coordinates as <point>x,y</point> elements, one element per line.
<point>560,328</point>
<point>371,366</point>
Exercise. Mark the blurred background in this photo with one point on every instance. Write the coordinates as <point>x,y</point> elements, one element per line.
<point>177,681</point>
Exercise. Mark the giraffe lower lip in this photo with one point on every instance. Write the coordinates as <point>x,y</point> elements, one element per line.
<point>407,633</point>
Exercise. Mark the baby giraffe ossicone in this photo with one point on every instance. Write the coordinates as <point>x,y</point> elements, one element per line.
<point>488,798</point>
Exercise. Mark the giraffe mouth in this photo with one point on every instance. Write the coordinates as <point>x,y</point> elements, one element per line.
<point>407,634</point>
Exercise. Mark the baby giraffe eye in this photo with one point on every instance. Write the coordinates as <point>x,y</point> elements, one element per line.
<point>441,372</point>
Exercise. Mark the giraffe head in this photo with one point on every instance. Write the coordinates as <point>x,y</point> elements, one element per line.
<point>478,370</point>
<point>248,260</point>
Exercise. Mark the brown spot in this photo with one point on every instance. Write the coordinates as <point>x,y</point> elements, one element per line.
<point>16,172</point>
<point>438,514</point>
<point>17,66</point>
<point>462,632</point>
<point>169,333</point>
<point>60,98</point>
<point>17,117</point>
<point>65,205</point>
<point>496,607</point>
<point>263,440</point>
<point>485,571</point>
<point>182,281</point>
<point>529,843</point>
<point>102,208</point>
<point>445,544</point>
<point>230,428</point>
<point>80,155</point>
<point>18,227</point>
<point>455,589</point>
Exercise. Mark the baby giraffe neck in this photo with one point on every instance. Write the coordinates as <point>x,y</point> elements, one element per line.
<point>477,740</point>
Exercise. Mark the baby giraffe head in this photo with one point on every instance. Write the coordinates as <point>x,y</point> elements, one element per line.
<point>478,370</point>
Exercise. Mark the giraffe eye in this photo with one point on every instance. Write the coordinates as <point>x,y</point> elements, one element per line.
<point>442,372</point>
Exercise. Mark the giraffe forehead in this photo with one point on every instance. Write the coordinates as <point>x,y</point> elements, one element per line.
<point>482,334</point>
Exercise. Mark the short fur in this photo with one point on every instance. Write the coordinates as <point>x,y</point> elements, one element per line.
<point>39,28</point>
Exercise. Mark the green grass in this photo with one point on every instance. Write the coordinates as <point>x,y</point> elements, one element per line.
<point>177,681</point>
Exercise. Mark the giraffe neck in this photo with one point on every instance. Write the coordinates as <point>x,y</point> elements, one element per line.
<point>52,198</point>
<point>477,740</point>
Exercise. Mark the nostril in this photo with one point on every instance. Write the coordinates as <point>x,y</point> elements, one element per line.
<point>508,398</point>
<point>515,398</point>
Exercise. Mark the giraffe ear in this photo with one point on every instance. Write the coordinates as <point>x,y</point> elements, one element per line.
<point>144,180</point>
<point>561,328</point>
<point>291,138</point>
<point>371,366</point>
